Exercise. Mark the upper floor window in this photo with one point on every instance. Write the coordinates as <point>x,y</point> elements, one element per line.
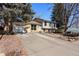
<point>45,24</point>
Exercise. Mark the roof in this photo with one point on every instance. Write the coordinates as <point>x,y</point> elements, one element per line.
<point>40,20</point>
<point>19,23</point>
<point>47,21</point>
<point>34,22</point>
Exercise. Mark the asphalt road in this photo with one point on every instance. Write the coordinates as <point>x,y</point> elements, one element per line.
<point>48,45</point>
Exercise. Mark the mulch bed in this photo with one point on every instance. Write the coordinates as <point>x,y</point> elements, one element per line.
<point>11,45</point>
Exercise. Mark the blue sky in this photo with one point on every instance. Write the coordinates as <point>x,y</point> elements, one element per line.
<point>42,10</point>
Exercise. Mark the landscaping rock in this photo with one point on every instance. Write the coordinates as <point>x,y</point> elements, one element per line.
<point>11,45</point>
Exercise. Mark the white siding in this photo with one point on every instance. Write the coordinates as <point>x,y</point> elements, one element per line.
<point>47,26</point>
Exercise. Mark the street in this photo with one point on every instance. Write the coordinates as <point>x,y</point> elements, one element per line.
<point>45,44</point>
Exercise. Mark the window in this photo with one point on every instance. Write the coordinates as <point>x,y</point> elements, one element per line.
<point>49,24</point>
<point>33,27</point>
<point>45,23</point>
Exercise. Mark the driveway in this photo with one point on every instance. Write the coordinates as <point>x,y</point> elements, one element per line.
<point>42,45</point>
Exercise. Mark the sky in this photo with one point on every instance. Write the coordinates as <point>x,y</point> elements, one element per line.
<point>42,10</point>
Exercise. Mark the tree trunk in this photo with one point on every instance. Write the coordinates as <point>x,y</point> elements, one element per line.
<point>10,27</point>
<point>66,22</point>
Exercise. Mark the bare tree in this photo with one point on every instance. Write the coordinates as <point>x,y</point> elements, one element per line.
<point>70,10</point>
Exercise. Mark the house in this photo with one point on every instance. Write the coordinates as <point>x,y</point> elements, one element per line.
<point>46,26</point>
<point>33,26</point>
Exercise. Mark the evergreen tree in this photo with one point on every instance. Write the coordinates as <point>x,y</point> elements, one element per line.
<point>10,11</point>
<point>57,14</point>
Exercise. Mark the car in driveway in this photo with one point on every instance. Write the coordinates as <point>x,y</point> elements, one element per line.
<point>20,30</point>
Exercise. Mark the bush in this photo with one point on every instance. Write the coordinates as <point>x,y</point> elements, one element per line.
<point>59,31</point>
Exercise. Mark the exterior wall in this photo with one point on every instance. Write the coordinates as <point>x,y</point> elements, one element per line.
<point>53,26</point>
<point>45,30</point>
<point>28,28</point>
<point>38,28</point>
<point>47,26</point>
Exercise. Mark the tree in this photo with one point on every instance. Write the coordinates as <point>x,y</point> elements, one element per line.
<point>70,10</point>
<point>63,12</point>
<point>27,15</point>
<point>10,11</point>
<point>57,13</point>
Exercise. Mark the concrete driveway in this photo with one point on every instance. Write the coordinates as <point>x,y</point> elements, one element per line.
<point>42,45</point>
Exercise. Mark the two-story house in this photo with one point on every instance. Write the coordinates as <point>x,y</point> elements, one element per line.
<point>46,26</point>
